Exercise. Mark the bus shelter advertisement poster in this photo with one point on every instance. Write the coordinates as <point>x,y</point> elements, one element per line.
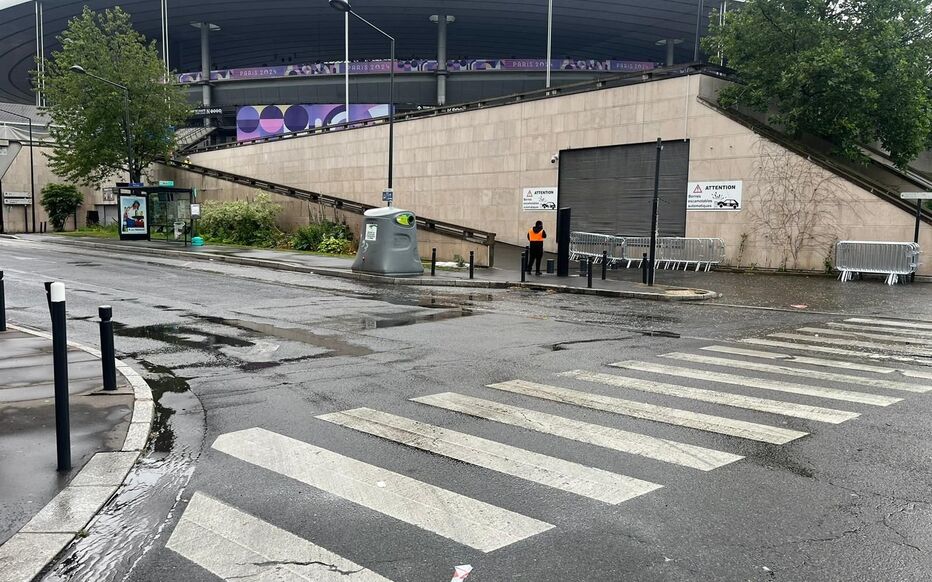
<point>134,219</point>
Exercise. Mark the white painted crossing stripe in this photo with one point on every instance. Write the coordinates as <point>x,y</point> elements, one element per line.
<point>805,389</point>
<point>874,329</point>
<point>550,471</point>
<point>231,544</point>
<point>862,334</point>
<point>451,515</point>
<point>841,364</point>
<point>790,371</point>
<point>891,323</point>
<point>699,421</point>
<point>918,351</point>
<point>838,351</point>
<point>736,400</point>
<point>601,436</point>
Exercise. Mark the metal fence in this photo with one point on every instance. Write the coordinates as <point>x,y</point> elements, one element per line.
<point>672,252</point>
<point>893,259</point>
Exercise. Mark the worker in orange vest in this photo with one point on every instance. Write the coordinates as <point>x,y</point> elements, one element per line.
<point>536,237</point>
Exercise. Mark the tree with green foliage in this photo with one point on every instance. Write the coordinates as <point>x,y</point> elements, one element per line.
<point>854,72</point>
<point>90,141</point>
<point>60,201</point>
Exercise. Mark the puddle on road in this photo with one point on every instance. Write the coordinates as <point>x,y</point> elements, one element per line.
<point>404,319</point>
<point>334,344</point>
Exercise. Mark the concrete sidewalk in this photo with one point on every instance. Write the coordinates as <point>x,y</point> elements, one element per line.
<point>505,276</point>
<point>42,509</point>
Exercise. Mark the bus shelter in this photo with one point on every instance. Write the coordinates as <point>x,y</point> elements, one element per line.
<point>156,213</point>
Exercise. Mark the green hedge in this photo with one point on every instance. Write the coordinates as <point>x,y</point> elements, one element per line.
<point>241,222</point>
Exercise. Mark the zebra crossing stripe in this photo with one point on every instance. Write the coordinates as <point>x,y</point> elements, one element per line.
<point>668,451</point>
<point>891,323</point>
<point>572,477</point>
<point>735,400</point>
<point>862,334</point>
<point>837,351</point>
<point>468,521</point>
<point>790,371</point>
<point>734,379</point>
<point>841,364</point>
<point>893,330</point>
<point>696,420</point>
<point>909,350</point>
<point>231,544</point>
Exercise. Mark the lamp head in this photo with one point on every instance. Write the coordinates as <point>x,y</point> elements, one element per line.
<point>77,69</point>
<point>341,5</point>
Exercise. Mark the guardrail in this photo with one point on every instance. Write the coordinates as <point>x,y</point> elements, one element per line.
<point>480,237</point>
<point>893,259</point>
<point>672,252</point>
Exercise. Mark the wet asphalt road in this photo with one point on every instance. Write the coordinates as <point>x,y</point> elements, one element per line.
<point>228,348</point>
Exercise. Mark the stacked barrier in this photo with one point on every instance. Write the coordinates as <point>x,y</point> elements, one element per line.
<point>893,259</point>
<point>672,252</point>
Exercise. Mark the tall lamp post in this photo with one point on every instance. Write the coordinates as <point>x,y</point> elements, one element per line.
<point>344,6</point>
<point>32,166</point>
<point>133,172</point>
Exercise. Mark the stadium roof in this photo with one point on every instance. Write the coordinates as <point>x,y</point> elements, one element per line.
<point>276,32</point>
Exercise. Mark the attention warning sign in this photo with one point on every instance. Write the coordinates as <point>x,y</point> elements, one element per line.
<point>717,196</point>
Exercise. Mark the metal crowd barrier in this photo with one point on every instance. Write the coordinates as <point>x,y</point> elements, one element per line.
<point>672,252</point>
<point>893,259</point>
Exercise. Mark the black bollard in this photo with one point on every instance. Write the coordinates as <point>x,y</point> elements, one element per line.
<point>472,263</point>
<point>433,262</point>
<point>589,273</point>
<point>550,266</point>
<point>48,295</point>
<point>644,269</point>
<point>60,368</point>
<point>582,267</point>
<point>604,264</point>
<point>523,265</point>
<point>2,305</point>
<point>107,356</point>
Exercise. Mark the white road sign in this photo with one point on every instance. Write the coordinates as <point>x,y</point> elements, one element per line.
<point>718,196</point>
<point>916,195</point>
<point>17,199</point>
<point>539,199</point>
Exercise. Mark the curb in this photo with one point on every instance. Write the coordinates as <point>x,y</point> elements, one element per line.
<point>36,544</point>
<point>694,294</point>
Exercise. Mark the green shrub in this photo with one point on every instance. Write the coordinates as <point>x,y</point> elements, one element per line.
<point>241,222</point>
<point>310,237</point>
<point>60,201</point>
<point>334,246</point>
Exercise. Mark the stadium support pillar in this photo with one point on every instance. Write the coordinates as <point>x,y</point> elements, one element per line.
<point>442,21</point>
<point>206,29</point>
<point>670,43</point>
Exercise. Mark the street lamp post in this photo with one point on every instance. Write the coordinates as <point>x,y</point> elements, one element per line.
<point>32,166</point>
<point>344,6</point>
<point>133,171</point>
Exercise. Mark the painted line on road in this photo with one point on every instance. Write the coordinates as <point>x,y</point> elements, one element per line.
<point>891,323</point>
<point>232,544</point>
<point>869,328</point>
<point>550,471</point>
<point>793,409</point>
<point>675,416</point>
<point>837,351</point>
<point>790,371</point>
<point>908,350</point>
<point>615,439</point>
<point>468,521</point>
<point>862,334</point>
<point>825,363</point>
<point>734,379</point>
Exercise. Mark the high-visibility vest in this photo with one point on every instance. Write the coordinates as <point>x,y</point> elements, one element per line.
<point>535,236</point>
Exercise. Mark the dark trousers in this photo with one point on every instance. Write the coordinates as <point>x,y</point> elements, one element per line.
<point>537,253</point>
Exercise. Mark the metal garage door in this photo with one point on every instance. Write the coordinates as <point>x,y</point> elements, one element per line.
<point>610,188</point>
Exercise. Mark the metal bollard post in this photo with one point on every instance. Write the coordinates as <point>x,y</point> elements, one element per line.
<point>472,263</point>
<point>433,262</point>
<point>2,305</point>
<point>48,295</point>
<point>551,264</point>
<point>60,367</point>
<point>644,269</point>
<point>523,265</point>
<point>107,355</point>
<point>604,264</point>
<point>582,267</point>
<point>589,274</point>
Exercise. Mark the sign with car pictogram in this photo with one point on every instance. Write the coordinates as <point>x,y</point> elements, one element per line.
<point>539,199</point>
<point>717,196</point>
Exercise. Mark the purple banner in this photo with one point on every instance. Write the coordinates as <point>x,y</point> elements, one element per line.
<point>255,121</point>
<point>417,66</point>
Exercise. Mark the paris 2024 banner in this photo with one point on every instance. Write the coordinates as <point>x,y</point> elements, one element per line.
<point>257,121</point>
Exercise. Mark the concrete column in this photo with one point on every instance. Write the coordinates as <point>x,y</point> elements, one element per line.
<point>670,43</point>
<point>442,20</point>
<point>205,63</point>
